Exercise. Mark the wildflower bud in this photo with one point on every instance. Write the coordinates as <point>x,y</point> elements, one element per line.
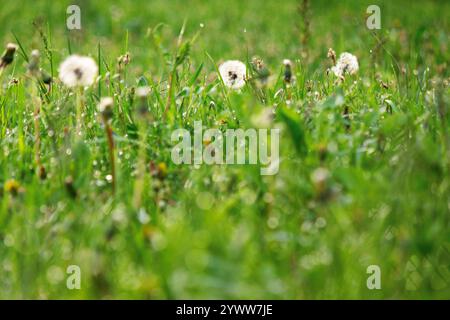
<point>320,178</point>
<point>42,173</point>
<point>162,170</point>
<point>12,187</point>
<point>46,77</point>
<point>332,55</point>
<point>309,85</point>
<point>105,107</point>
<point>70,188</point>
<point>8,56</point>
<point>33,65</point>
<point>384,84</point>
<point>322,151</point>
<point>14,81</point>
<point>107,78</point>
<point>142,93</point>
<point>287,70</point>
<point>262,73</point>
<point>124,59</point>
<point>159,171</point>
<point>257,63</point>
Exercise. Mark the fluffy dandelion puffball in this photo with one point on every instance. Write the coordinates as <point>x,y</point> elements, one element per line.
<point>347,63</point>
<point>143,92</point>
<point>8,56</point>
<point>33,65</point>
<point>233,73</point>
<point>105,107</point>
<point>78,71</point>
<point>105,103</point>
<point>287,63</point>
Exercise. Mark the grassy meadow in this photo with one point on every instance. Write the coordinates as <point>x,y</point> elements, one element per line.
<point>364,174</point>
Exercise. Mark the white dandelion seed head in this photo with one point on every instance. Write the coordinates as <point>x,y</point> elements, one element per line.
<point>347,63</point>
<point>12,47</point>
<point>33,65</point>
<point>78,71</point>
<point>143,92</point>
<point>105,107</point>
<point>233,73</point>
<point>337,70</point>
<point>287,63</point>
<point>105,103</point>
<point>350,62</point>
<point>35,54</point>
<point>320,175</point>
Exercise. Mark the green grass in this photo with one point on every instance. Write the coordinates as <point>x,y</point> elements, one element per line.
<point>227,231</point>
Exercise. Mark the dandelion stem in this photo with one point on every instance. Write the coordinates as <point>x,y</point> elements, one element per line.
<point>109,136</point>
<point>1,80</point>
<point>140,178</point>
<point>79,110</point>
<point>303,10</point>
<point>37,132</point>
<point>169,93</point>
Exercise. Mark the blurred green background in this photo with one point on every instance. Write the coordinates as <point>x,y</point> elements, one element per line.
<point>230,28</point>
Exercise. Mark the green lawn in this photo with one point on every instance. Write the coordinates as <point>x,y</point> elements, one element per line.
<point>364,176</point>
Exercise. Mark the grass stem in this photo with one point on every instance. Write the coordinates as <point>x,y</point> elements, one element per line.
<point>109,136</point>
